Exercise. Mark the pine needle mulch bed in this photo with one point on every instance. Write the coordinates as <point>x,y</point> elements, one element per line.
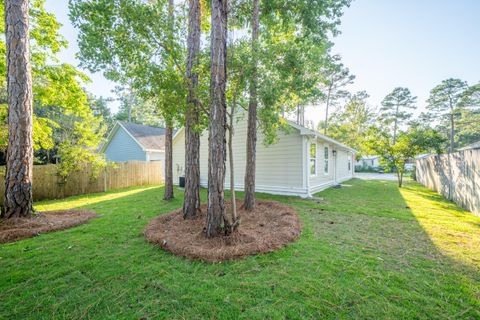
<point>269,227</point>
<point>370,251</point>
<point>43,222</point>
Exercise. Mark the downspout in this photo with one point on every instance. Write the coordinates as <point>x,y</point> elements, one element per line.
<point>334,167</point>
<point>306,154</point>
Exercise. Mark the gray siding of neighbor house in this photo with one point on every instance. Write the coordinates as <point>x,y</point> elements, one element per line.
<point>123,148</point>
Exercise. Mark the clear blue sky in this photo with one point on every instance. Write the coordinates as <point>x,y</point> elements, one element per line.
<point>385,43</point>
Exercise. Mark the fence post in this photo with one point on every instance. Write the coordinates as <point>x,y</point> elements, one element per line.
<point>105,179</point>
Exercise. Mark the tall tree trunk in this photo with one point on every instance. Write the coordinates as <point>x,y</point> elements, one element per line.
<point>325,130</point>
<point>191,203</point>
<point>395,126</point>
<point>168,194</point>
<point>452,133</point>
<point>216,214</point>
<point>230,156</point>
<point>249,200</point>
<point>18,178</point>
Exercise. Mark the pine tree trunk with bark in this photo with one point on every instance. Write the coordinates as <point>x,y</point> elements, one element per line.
<point>18,178</point>
<point>191,203</point>
<point>168,194</point>
<point>452,129</point>
<point>249,200</point>
<point>325,130</point>
<point>216,214</point>
<point>231,162</point>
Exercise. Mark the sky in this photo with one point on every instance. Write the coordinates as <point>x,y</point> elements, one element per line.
<point>385,44</point>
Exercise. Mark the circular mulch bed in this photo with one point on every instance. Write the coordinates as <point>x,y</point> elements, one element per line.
<point>269,227</point>
<point>20,228</point>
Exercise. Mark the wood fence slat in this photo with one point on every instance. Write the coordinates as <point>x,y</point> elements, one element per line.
<point>456,176</point>
<point>47,184</point>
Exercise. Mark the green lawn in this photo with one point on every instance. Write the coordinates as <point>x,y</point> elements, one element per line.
<point>370,251</point>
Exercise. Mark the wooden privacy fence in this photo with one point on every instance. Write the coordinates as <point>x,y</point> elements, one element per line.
<point>456,176</point>
<point>48,185</point>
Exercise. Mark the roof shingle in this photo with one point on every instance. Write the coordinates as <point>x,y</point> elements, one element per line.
<point>151,138</point>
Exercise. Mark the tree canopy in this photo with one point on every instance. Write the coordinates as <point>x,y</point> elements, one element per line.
<point>57,89</point>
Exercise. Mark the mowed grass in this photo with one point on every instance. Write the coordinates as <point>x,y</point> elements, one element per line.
<point>369,251</point>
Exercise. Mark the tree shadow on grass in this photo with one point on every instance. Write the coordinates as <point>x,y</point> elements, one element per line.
<point>431,263</point>
<point>363,254</point>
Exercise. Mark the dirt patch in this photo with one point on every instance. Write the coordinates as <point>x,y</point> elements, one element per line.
<point>269,227</point>
<point>42,222</point>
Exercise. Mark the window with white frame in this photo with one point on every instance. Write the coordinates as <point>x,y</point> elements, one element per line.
<point>349,165</point>
<point>313,159</point>
<point>325,157</point>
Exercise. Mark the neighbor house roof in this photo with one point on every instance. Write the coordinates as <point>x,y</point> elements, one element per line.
<point>475,145</point>
<point>147,137</point>
<point>370,157</point>
<point>423,155</point>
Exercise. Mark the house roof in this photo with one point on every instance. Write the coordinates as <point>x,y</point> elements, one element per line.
<point>373,157</point>
<point>423,155</point>
<point>309,132</point>
<point>475,145</point>
<point>150,138</point>
<point>147,137</point>
<point>305,131</point>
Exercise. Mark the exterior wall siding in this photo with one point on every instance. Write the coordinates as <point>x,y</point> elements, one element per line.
<point>337,167</point>
<point>343,173</point>
<point>281,167</point>
<point>322,180</point>
<point>123,148</point>
<point>278,167</point>
<point>156,156</point>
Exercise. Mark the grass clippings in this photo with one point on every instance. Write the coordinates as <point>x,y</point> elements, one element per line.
<point>21,228</point>
<point>269,227</point>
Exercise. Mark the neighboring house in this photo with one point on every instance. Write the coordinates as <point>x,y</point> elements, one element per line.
<point>369,162</point>
<point>301,163</point>
<point>129,141</point>
<point>475,145</point>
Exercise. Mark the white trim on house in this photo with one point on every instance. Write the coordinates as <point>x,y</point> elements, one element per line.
<point>309,132</point>
<point>326,160</point>
<point>314,143</point>
<point>109,137</point>
<point>289,177</point>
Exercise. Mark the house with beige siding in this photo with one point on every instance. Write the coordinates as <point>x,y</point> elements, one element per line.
<point>301,163</point>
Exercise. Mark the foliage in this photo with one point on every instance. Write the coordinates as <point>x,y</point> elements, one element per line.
<point>3,126</point>
<point>100,108</point>
<point>407,250</point>
<point>293,47</point>
<point>394,156</point>
<point>395,108</point>
<point>130,42</point>
<point>135,108</point>
<point>57,89</point>
<point>335,78</point>
<point>455,105</point>
<point>351,124</point>
<point>445,97</point>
